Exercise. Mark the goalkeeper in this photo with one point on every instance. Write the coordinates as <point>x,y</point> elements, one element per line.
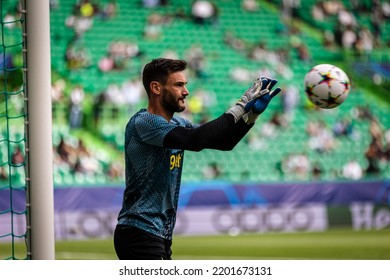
<point>155,141</point>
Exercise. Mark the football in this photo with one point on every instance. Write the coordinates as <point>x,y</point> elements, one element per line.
<point>327,86</point>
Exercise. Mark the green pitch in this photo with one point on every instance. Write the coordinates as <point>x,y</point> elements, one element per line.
<point>333,244</point>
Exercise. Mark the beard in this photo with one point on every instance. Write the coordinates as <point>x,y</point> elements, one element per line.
<point>171,102</point>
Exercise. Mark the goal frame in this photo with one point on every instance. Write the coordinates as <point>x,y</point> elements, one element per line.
<point>38,129</point>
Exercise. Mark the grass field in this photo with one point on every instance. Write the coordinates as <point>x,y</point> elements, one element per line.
<point>334,245</point>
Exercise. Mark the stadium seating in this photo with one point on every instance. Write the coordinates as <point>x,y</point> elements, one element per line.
<point>262,164</point>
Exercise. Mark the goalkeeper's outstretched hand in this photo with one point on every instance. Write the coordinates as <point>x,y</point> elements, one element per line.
<point>261,103</point>
<point>259,88</point>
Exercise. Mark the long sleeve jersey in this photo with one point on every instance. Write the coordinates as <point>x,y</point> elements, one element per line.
<point>154,153</point>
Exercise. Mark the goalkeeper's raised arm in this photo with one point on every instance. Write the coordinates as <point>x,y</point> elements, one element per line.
<point>226,131</point>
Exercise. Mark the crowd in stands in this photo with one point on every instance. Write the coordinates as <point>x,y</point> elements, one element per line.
<point>321,137</point>
<point>71,156</point>
<point>348,32</point>
<point>75,157</point>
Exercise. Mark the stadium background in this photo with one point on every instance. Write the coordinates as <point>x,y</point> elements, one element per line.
<point>282,178</point>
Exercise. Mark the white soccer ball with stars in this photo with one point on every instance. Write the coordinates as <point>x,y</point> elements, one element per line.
<point>327,86</point>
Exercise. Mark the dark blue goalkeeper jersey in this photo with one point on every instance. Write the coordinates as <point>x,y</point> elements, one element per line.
<point>154,152</point>
<point>153,174</point>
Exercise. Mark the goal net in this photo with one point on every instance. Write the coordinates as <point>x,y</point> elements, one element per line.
<point>13,209</point>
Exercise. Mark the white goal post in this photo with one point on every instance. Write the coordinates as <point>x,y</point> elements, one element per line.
<point>39,167</point>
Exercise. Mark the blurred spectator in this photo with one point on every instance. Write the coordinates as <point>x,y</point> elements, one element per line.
<point>54,4</point>
<point>115,170</point>
<point>320,137</point>
<point>377,19</point>
<point>290,99</point>
<point>79,24</point>
<point>203,117</point>
<point>16,101</point>
<point>64,151</point>
<point>346,18</point>
<point>278,120</point>
<point>386,147</point>
<point>72,156</point>
<point>86,163</point>
<point>348,38</point>
<point>386,10</point>
<point>9,21</point>
<point>255,141</point>
<point>387,136</point>
<point>6,62</point>
<point>106,64</point>
<point>154,3</point>
<point>115,98</point>
<point>386,152</point>
<point>57,90</point>
<point>212,171</point>
<point>153,27</point>
<point>241,74</point>
<point>296,166</point>
<point>289,9</point>
<point>199,104</point>
<point>121,51</point>
<point>259,52</point>
<point>269,129</point>
<point>352,170</point>
<point>332,7</point>
<point>203,11</point>
<point>345,127</point>
<point>150,3</point>
<point>329,39</point>
<point>317,11</point>
<point>373,155</point>
<point>3,173</point>
<point>118,55</point>
<point>109,10</point>
<point>77,55</point>
<point>362,112</point>
<point>170,53</point>
<point>17,157</point>
<point>196,60</point>
<point>234,42</point>
<point>98,104</point>
<point>195,105</point>
<point>304,53</point>
<point>87,9</point>
<point>128,49</point>
<point>208,98</point>
<point>114,94</point>
<point>316,171</point>
<point>81,148</point>
<point>365,42</point>
<point>57,96</point>
<point>250,5</point>
<point>132,91</point>
<point>76,105</point>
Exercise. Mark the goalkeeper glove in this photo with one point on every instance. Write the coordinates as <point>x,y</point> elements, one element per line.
<point>246,102</point>
<point>261,103</point>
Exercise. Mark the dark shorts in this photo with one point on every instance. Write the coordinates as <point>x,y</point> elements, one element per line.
<point>135,244</point>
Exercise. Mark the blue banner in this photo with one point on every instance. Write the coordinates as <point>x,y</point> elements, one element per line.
<point>331,193</point>
<point>215,208</point>
<point>218,194</point>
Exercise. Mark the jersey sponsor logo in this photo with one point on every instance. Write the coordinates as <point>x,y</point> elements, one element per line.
<point>175,160</point>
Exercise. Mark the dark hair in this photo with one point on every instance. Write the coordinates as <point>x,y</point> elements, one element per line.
<point>159,69</point>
